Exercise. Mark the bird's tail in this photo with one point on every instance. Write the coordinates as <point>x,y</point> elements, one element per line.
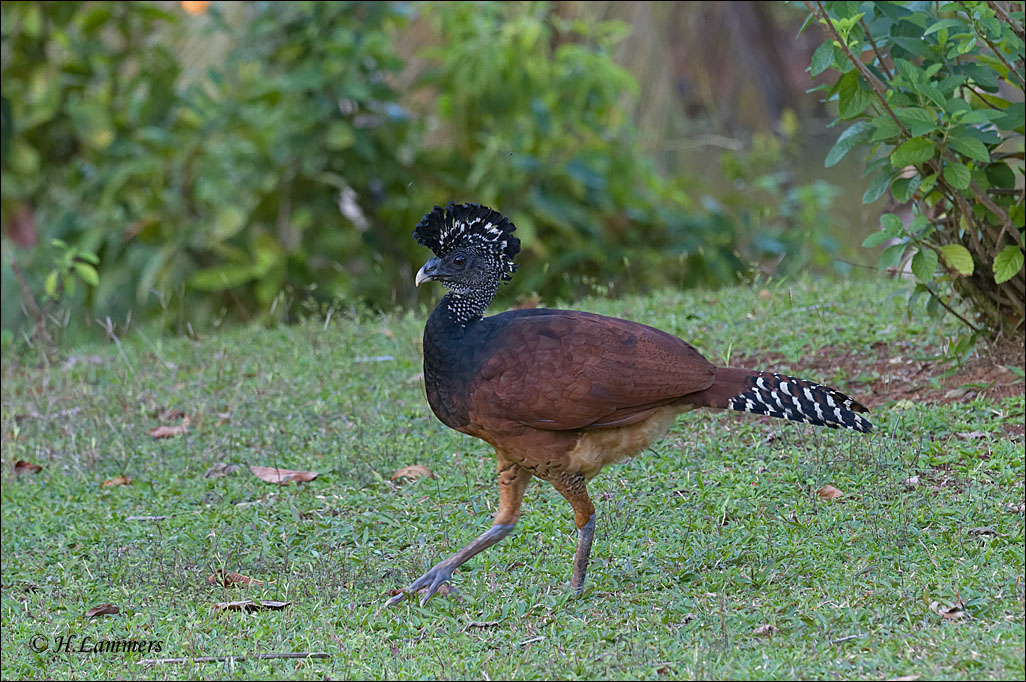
<point>784,397</point>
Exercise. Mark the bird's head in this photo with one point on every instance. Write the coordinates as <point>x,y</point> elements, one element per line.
<point>474,248</point>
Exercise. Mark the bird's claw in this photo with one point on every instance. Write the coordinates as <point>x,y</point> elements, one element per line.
<point>427,584</point>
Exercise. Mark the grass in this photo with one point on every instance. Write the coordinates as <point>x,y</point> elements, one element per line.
<point>714,532</point>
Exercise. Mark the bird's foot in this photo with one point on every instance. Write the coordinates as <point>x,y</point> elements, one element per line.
<point>427,584</point>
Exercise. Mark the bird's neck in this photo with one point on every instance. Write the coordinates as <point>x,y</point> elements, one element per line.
<point>454,337</point>
<point>463,310</point>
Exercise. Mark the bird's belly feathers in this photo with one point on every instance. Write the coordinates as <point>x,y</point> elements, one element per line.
<point>598,447</point>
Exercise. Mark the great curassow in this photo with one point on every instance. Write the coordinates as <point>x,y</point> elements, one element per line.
<point>560,394</point>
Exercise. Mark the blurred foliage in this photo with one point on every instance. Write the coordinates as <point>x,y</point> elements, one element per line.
<point>219,195</point>
<point>531,120</point>
<point>288,176</point>
<point>783,227</point>
<point>935,92</point>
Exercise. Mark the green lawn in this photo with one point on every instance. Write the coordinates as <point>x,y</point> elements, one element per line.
<point>714,532</point>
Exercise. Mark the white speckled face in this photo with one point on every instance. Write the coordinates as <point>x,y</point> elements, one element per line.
<point>474,249</point>
<point>470,270</point>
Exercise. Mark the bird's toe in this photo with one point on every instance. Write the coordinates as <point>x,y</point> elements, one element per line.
<point>427,585</point>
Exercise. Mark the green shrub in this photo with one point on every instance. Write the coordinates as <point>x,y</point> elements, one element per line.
<point>926,87</point>
<point>287,176</point>
<point>83,84</point>
<point>221,195</point>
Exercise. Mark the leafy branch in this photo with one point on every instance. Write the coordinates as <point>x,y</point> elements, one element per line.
<point>936,110</point>
<point>881,93</point>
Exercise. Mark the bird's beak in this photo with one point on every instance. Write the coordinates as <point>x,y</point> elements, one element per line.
<point>428,272</point>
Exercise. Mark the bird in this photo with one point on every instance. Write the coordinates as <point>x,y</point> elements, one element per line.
<point>560,394</point>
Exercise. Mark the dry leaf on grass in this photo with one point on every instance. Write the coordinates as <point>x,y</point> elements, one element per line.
<point>86,359</point>
<point>282,476</point>
<point>829,492</point>
<point>905,678</point>
<point>221,469</point>
<point>764,630</point>
<point>413,472</point>
<point>984,531</point>
<point>169,431</point>
<point>231,579</point>
<point>23,467</point>
<point>249,605</point>
<point>481,624</point>
<point>955,612</point>
<point>117,480</point>
<point>911,483</point>
<point>961,392</point>
<point>103,610</point>
<point>971,435</point>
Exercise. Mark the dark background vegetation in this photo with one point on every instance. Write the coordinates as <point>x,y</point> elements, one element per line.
<point>253,161</point>
<point>186,164</point>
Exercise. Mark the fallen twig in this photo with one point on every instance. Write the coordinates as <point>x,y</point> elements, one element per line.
<point>847,638</point>
<point>241,657</point>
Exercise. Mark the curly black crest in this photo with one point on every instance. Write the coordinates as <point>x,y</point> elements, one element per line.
<point>469,226</point>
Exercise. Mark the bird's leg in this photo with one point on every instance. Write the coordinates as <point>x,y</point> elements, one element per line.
<point>574,488</point>
<point>513,482</point>
<point>584,537</point>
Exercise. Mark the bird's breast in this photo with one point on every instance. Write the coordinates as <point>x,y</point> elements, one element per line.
<point>451,364</point>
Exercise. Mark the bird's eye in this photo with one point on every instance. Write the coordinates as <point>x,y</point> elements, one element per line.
<point>459,260</point>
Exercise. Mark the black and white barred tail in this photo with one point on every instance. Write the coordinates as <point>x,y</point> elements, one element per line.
<point>784,397</point>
